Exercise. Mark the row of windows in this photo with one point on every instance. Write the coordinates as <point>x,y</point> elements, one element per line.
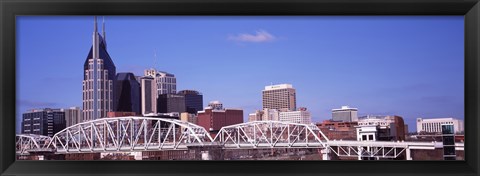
<point>278,90</point>
<point>167,86</point>
<point>268,96</point>
<point>106,105</point>
<point>433,127</point>
<point>167,80</point>
<point>370,137</point>
<point>99,62</point>
<point>373,123</point>
<point>89,74</point>
<point>88,84</point>
<point>88,114</point>
<point>89,94</point>
<point>277,100</point>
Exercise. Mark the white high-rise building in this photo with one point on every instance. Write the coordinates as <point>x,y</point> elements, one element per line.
<point>166,82</point>
<point>434,125</point>
<point>98,79</point>
<point>302,116</point>
<point>280,97</point>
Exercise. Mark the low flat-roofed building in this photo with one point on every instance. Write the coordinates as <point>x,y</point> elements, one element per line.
<point>301,116</point>
<point>345,114</point>
<point>434,125</point>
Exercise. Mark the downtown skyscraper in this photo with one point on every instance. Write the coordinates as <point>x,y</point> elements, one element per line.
<point>166,82</point>
<point>99,76</point>
<point>280,97</point>
<point>127,93</point>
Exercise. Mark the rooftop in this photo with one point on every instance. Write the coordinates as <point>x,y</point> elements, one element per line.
<point>437,119</point>
<point>278,86</point>
<point>345,108</point>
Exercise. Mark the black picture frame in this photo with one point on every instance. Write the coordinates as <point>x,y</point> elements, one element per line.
<point>11,8</point>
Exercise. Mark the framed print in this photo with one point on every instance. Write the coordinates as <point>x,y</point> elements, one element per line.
<point>239,87</point>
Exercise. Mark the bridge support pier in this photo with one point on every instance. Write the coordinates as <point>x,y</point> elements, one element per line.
<point>359,153</point>
<point>408,153</point>
<point>325,154</point>
<point>213,152</point>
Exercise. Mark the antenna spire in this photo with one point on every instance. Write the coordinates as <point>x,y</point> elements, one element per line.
<point>95,24</point>
<point>103,32</point>
<point>95,43</point>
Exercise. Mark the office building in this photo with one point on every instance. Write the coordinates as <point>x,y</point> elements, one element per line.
<point>166,82</point>
<point>188,117</point>
<point>193,100</point>
<point>345,114</point>
<point>45,122</point>
<point>167,103</point>
<point>148,95</point>
<point>98,81</point>
<point>301,116</point>
<point>381,128</point>
<point>214,117</point>
<point>280,97</point>
<point>264,115</point>
<point>434,125</point>
<point>256,116</point>
<point>73,115</point>
<point>127,93</point>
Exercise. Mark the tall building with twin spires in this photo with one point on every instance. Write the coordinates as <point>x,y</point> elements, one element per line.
<point>99,76</point>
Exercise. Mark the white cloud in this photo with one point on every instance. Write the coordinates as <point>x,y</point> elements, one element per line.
<point>259,36</point>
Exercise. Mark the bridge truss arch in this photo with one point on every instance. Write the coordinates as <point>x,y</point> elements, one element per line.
<point>271,134</point>
<point>30,142</point>
<point>128,134</point>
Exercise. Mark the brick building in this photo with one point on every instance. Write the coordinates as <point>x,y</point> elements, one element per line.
<point>338,129</point>
<point>213,119</point>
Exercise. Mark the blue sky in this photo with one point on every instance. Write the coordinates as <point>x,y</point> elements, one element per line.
<point>412,66</point>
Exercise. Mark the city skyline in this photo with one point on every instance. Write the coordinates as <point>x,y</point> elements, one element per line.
<point>249,53</point>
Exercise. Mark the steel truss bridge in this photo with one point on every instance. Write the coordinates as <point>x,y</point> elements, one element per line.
<point>136,134</point>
